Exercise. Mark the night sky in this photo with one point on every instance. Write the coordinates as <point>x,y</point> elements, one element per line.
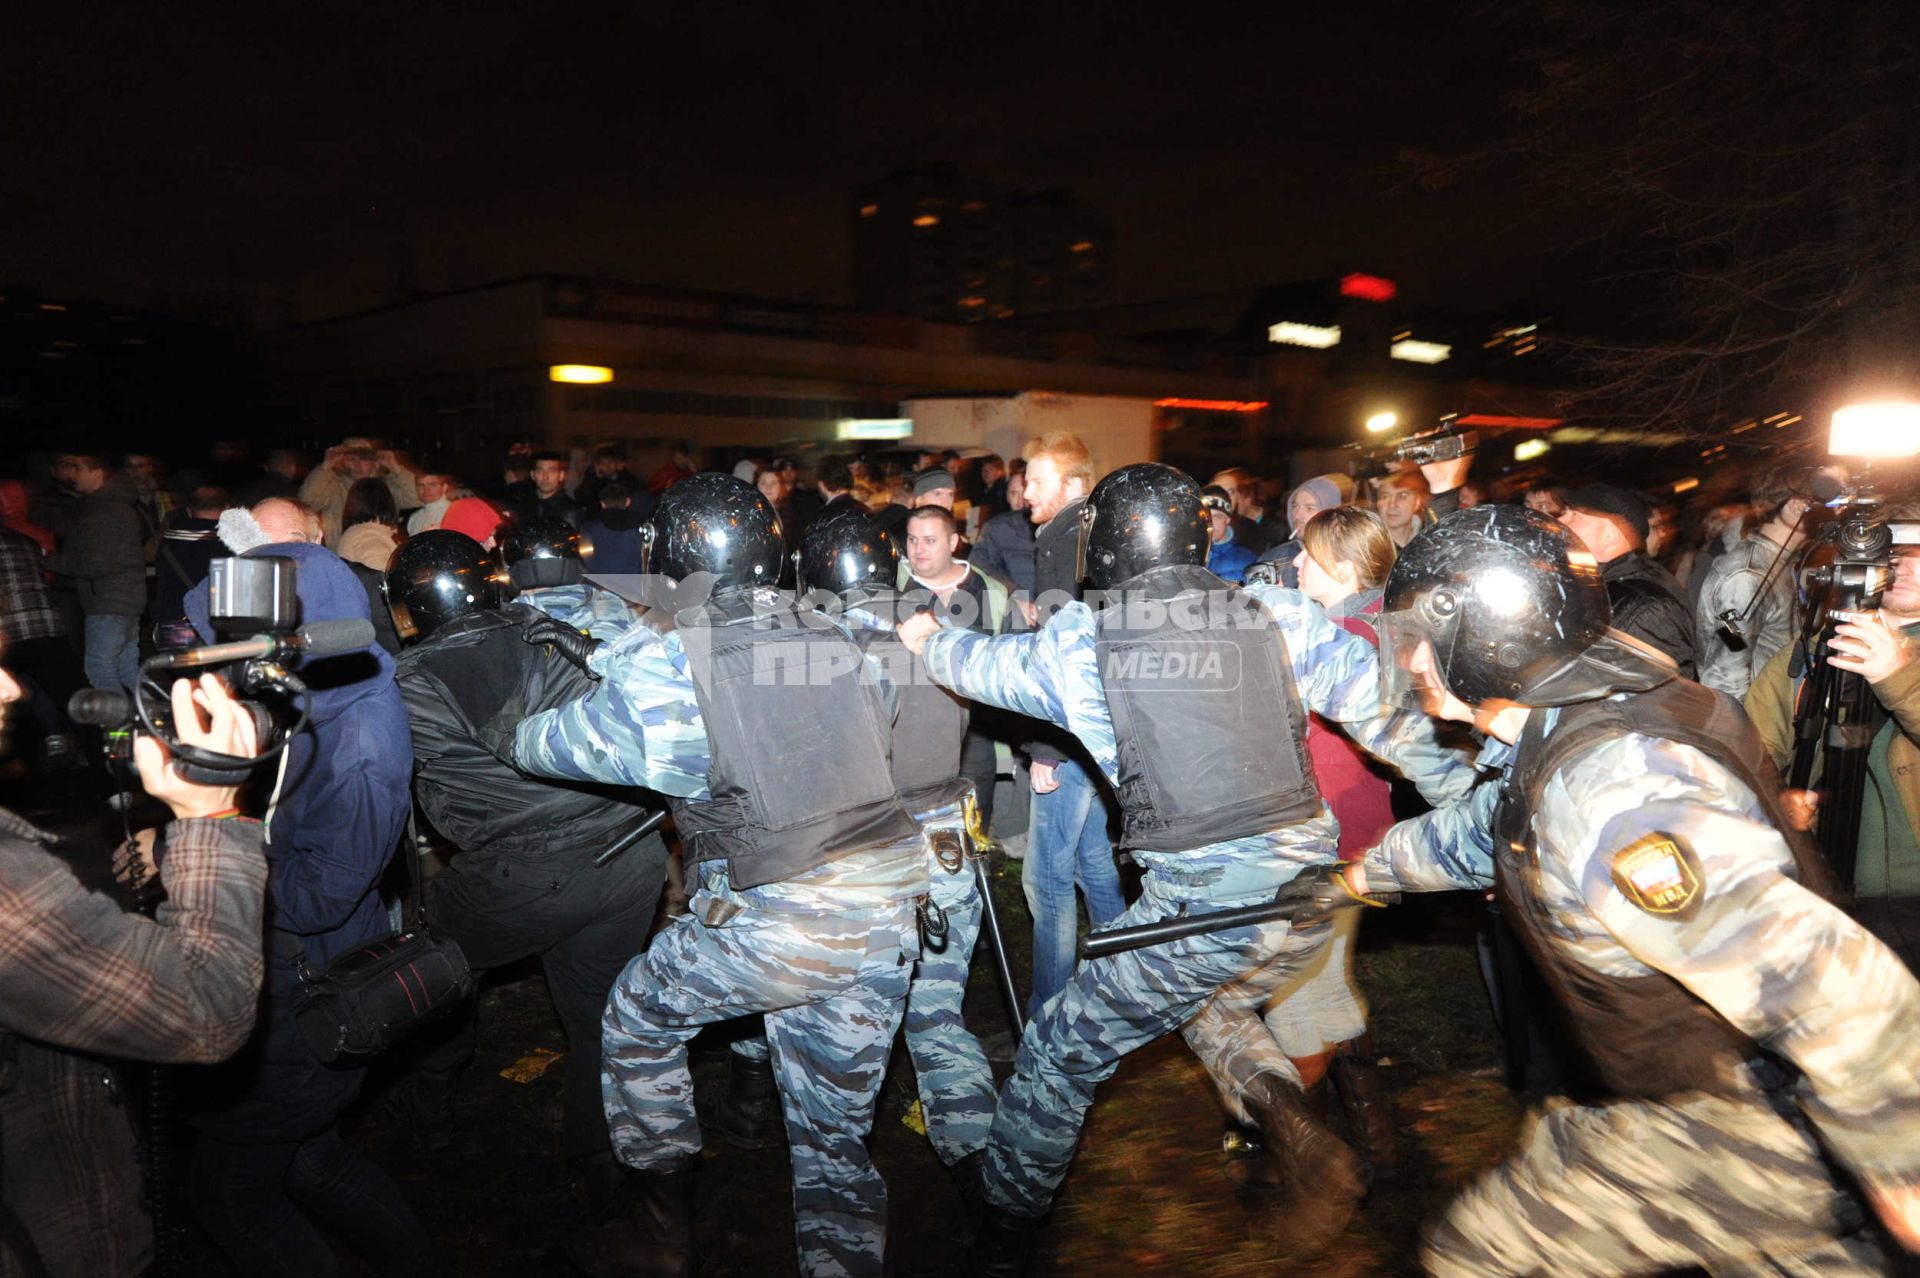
<point>305,159</point>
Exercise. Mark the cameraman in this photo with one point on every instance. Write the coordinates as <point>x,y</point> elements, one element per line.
<point>1880,649</point>
<point>77,974</point>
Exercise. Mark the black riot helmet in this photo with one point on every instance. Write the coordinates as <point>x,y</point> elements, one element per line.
<point>714,524</point>
<point>440,576</point>
<point>1515,609</point>
<point>848,552</point>
<point>541,552</point>
<point>1141,517</point>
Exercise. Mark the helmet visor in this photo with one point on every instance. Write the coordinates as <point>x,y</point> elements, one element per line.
<point>1401,636</point>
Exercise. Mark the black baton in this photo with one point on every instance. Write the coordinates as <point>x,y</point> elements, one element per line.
<point>640,831</point>
<point>1114,940</point>
<point>990,924</point>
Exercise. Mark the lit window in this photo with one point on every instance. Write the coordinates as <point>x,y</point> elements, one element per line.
<point>926,219</point>
<point>868,210</point>
<point>972,303</point>
<point>1084,246</point>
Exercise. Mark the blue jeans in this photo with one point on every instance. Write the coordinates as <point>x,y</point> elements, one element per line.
<point>113,652</point>
<point>1068,847</point>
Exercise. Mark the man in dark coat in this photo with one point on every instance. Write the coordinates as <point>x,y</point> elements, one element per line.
<point>1648,602</point>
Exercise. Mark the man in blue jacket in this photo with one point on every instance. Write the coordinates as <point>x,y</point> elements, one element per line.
<point>270,1165</point>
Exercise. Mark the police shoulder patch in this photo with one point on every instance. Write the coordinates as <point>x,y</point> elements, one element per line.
<point>1660,875</point>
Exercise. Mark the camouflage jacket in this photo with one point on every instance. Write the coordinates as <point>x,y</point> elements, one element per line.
<point>1053,674</point>
<point>641,726</point>
<point>1786,968</point>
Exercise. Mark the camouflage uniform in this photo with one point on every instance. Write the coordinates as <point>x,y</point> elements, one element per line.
<point>826,955</point>
<point>600,613</point>
<point>1114,1005</point>
<point>954,1079</point>
<point>1736,1177</point>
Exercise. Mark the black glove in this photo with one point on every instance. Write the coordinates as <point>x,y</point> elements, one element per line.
<point>1318,897</point>
<point>571,644</point>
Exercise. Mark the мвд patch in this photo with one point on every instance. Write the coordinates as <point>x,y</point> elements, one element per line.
<point>1659,876</point>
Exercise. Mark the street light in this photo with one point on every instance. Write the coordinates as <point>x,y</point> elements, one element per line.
<point>1889,428</point>
<point>1382,422</point>
<point>580,374</point>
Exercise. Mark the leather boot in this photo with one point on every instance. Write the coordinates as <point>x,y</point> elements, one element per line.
<point>1003,1245</point>
<point>1369,1108</point>
<point>1315,1176</point>
<point>742,1117</point>
<point>650,1234</point>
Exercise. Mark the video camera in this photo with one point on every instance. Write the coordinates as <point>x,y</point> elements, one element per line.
<point>1446,442</point>
<point>253,597</point>
<point>1861,539</point>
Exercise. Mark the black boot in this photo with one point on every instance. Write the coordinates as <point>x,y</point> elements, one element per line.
<point>1315,1176</point>
<point>1003,1245</point>
<point>966,1178</point>
<point>651,1233</point>
<point>742,1116</point>
<point>1369,1108</point>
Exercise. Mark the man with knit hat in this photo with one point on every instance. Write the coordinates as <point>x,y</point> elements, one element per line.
<point>1648,602</point>
<point>1322,492</point>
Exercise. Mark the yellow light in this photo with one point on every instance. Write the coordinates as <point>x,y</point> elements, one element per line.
<point>1887,429</point>
<point>1686,485</point>
<point>926,219</point>
<point>868,210</point>
<point>580,374</point>
<point>1528,449</point>
<point>1382,421</point>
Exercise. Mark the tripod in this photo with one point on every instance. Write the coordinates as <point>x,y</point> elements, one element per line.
<point>1835,720</point>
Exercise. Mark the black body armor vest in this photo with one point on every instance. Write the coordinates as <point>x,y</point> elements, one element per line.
<point>930,730</point>
<point>798,729</point>
<point>1647,1036</point>
<point>1209,727</point>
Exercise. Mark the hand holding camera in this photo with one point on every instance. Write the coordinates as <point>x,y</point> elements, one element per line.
<point>207,717</point>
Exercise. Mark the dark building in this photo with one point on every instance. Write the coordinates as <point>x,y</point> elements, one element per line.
<point>941,245</point>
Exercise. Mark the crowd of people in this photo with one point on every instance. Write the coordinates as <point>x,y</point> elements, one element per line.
<point>1436,681</point>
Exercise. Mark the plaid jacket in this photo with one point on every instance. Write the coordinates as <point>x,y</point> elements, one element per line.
<point>26,610</point>
<point>77,975</point>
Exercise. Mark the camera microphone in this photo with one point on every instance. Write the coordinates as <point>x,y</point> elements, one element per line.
<point>315,639</point>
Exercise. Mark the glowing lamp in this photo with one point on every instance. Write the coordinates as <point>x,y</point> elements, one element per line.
<point>1887,429</point>
<point>580,374</point>
<point>1289,333</point>
<point>1528,449</point>
<point>1382,422</point>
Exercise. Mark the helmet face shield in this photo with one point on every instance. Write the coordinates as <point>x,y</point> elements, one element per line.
<point>1401,635</point>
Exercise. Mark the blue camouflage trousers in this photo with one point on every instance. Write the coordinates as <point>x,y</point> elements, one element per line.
<point>1730,1183</point>
<point>955,1081</point>
<point>1110,1007</point>
<point>832,986</point>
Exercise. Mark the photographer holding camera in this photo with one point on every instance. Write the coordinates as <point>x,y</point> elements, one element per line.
<point>79,975</point>
<point>1879,647</point>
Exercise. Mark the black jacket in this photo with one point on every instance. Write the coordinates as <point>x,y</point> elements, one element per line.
<point>453,683</point>
<point>1650,605</point>
<point>1056,582</point>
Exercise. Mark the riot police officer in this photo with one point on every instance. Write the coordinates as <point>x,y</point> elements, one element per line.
<point>1747,1029</point>
<point>850,557</point>
<point>528,878</point>
<point>1191,696</point>
<point>761,722</point>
